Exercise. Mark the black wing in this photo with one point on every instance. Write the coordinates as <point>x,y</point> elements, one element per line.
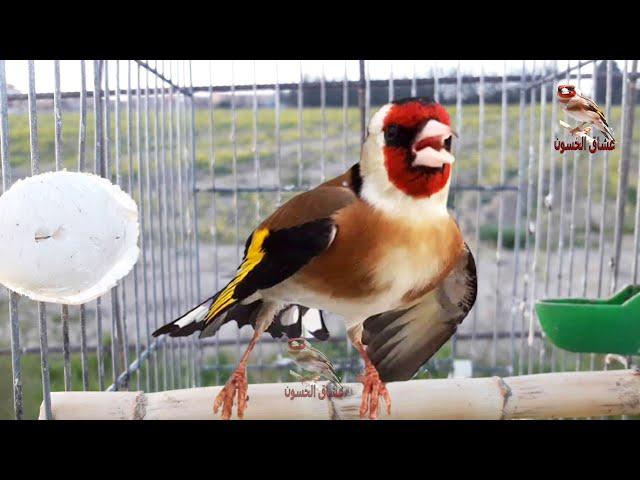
<point>400,342</point>
<point>271,256</point>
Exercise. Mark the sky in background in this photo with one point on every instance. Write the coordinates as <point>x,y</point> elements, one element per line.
<point>242,71</point>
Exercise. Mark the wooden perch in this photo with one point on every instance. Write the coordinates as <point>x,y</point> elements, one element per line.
<point>550,395</point>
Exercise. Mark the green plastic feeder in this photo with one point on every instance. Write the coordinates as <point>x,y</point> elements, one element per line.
<point>594,326</point>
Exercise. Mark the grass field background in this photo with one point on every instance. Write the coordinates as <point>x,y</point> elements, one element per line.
<point>313,128</point>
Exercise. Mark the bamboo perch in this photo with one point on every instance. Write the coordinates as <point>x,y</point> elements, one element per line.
<point>549,395</point>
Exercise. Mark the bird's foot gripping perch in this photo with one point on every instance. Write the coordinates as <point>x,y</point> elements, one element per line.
<point>580,131</point>
<point>373,388</point>
<point>236,386</point>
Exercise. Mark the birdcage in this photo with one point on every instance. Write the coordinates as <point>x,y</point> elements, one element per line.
<point>206,160</point>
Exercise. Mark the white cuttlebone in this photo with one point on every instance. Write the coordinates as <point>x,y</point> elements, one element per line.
<point>66,237</point>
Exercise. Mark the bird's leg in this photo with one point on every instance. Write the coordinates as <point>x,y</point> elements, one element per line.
<point>373,387</point>
<point>574,131</point>
<point>582,128</point>
<point>236,385</point>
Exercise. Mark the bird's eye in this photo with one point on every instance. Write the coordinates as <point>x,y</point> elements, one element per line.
<point>447,144</point>
<point>390,133</point>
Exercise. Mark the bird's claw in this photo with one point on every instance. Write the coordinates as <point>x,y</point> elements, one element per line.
<point>577,131</point>
<point>373,388</point>
<point>236,386</point>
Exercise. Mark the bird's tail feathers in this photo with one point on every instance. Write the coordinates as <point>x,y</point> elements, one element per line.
<point>187,323</point>
<point>205,317</point>
<point>333,377</point>
<point>608,133</point>
<point>292,320</point>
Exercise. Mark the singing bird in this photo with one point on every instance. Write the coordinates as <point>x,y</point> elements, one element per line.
<point>583,109</point>
<point>312,360</point>
<point>375,245</point>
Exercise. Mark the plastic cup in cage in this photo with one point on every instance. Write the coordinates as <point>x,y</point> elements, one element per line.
<point>66,237</point>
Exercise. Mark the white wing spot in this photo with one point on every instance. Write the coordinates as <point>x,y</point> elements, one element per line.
<point>311,321</point>
<point>196,315</point>
<point>289,317</point>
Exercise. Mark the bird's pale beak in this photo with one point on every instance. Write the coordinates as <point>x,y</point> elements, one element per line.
<point>428,147</point>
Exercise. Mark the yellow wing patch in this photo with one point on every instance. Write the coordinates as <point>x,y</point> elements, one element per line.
<point>254,256</point>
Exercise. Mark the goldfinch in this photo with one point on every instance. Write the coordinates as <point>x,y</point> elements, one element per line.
<point>375,245</point>
<point>312,360</point>
<point>584,110</point>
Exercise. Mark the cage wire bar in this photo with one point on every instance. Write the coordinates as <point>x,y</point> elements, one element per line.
<point>205,163</point>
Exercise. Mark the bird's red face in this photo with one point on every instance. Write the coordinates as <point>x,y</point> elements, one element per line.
<point>296,344</point>
<point>566,91</point>
<point>417,146</point>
